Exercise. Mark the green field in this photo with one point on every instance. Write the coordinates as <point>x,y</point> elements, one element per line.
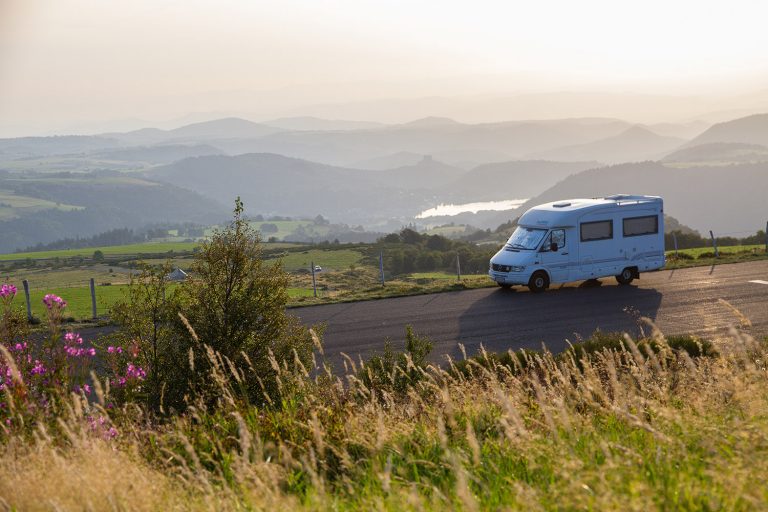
<point>78,300</point>
<point>149,248</point>
<point>12,205</point>
<point>331,259</point>
<point>288,227</point>
<point>112,250</point>
<point>728,249</point>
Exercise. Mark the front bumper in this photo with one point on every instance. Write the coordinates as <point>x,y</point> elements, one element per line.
<point>509,277</point>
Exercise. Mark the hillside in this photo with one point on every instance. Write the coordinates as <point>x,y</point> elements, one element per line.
<point>510,180</point>
<point>317,124</point>
<point>746,130</point>
<point>275,184</point>
<point>72,206</point>
<point>725,199</point>
<point>431,136</point>
<point>719,152</point>
<point>427,173</point>
<point>634,144</point>
<point>207,131</point>
<point>162,154</point>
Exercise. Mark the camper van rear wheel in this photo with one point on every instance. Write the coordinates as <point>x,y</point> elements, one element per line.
<point>539,281</point>
<point>626,276</point>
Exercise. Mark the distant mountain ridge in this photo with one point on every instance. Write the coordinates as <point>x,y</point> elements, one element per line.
<point>720,152</point>
<point>747,130</point>
<point>634,144</point>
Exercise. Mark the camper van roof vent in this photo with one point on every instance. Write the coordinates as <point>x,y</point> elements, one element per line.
<point>561,205</point>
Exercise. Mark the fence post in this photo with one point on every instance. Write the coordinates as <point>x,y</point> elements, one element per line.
<point>29,304</point>
<point>458,267</point>
<point>314,283</point>
<point>714,244</point>
<point>93,298</point>
<point>381,266</point>
<point>766,237</point>
<point>674,238</point>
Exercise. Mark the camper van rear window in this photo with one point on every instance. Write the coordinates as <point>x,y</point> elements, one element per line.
<point>600,230</point>
<point>637,226</point>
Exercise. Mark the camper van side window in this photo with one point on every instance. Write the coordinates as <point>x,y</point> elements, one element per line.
<point>600,230</point>
<point>637,226</point>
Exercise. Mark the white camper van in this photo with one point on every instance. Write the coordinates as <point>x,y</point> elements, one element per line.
<point>579,239</point>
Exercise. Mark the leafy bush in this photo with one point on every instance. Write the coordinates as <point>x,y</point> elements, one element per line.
<point>234,307</point>
<point>396,371</point>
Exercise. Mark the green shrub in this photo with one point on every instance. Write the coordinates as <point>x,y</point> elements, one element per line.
<point>396,371</point>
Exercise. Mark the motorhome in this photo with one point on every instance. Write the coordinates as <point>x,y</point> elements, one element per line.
<point>583,239</point>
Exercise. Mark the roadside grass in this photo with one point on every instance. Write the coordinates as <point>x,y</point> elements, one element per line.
<point>705,256</point>
<point>616,427</point>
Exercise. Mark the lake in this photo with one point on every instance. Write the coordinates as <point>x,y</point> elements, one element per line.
<point>455,209</point>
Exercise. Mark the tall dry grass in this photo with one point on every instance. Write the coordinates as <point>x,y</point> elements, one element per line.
<point>640,426</point>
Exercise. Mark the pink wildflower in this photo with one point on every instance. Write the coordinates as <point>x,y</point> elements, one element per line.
<point>50,300</point>
<point>7,290</point>
<point>135,372</point>
<point>115,350</point>
<point>73,337</point>
<point>38,369</point>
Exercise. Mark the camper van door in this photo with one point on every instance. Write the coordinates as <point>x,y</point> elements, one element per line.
<point>557,262</point>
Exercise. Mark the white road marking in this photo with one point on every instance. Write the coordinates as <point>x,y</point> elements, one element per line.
<point>758,281</point>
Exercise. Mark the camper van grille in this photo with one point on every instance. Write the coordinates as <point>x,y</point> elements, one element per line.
<point>501,268</point>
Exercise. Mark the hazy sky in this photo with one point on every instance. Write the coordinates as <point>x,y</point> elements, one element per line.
<point>70,63</point>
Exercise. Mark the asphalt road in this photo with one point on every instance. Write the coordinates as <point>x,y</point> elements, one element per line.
<point>678,301</point>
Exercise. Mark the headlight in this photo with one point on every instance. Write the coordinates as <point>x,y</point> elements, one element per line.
<point>517,269</point>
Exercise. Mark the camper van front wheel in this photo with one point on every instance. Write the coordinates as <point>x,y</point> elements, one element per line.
<point>539,282</point>
<point>626,276</point>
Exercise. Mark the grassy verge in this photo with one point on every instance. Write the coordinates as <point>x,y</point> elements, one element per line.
<point>621,425</point>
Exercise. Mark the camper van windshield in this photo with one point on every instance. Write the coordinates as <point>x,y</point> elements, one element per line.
<point>527,239</point>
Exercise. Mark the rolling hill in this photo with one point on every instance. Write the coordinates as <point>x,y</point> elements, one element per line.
<point>275,184</point>
<point>726,199</point>
<point>510,180</point>
<point>317,124</point>
<point>746,130</point>
<point>632,145</point>
<point>70,205</point>
<point>719,153</point>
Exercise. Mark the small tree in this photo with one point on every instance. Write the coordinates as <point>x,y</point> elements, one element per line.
<point>236,305</point>
<point>98,255</point>
<point>149,338</point>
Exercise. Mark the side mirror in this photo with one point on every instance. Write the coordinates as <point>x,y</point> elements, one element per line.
<point>553,247</point>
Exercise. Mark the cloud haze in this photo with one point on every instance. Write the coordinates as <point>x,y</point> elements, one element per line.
<point>69,63</point>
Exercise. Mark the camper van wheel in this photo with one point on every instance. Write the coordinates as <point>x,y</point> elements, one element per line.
<point>539,282</point>
<point>626,276</point>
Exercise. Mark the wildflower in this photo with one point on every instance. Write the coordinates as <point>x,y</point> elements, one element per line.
<point>7,290</point>
<point>91,351</point>
<point>51,300</point>
<point>73,338</point>
<point>38,369</point>
<point>135,372</point>
<point>115,350</point>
